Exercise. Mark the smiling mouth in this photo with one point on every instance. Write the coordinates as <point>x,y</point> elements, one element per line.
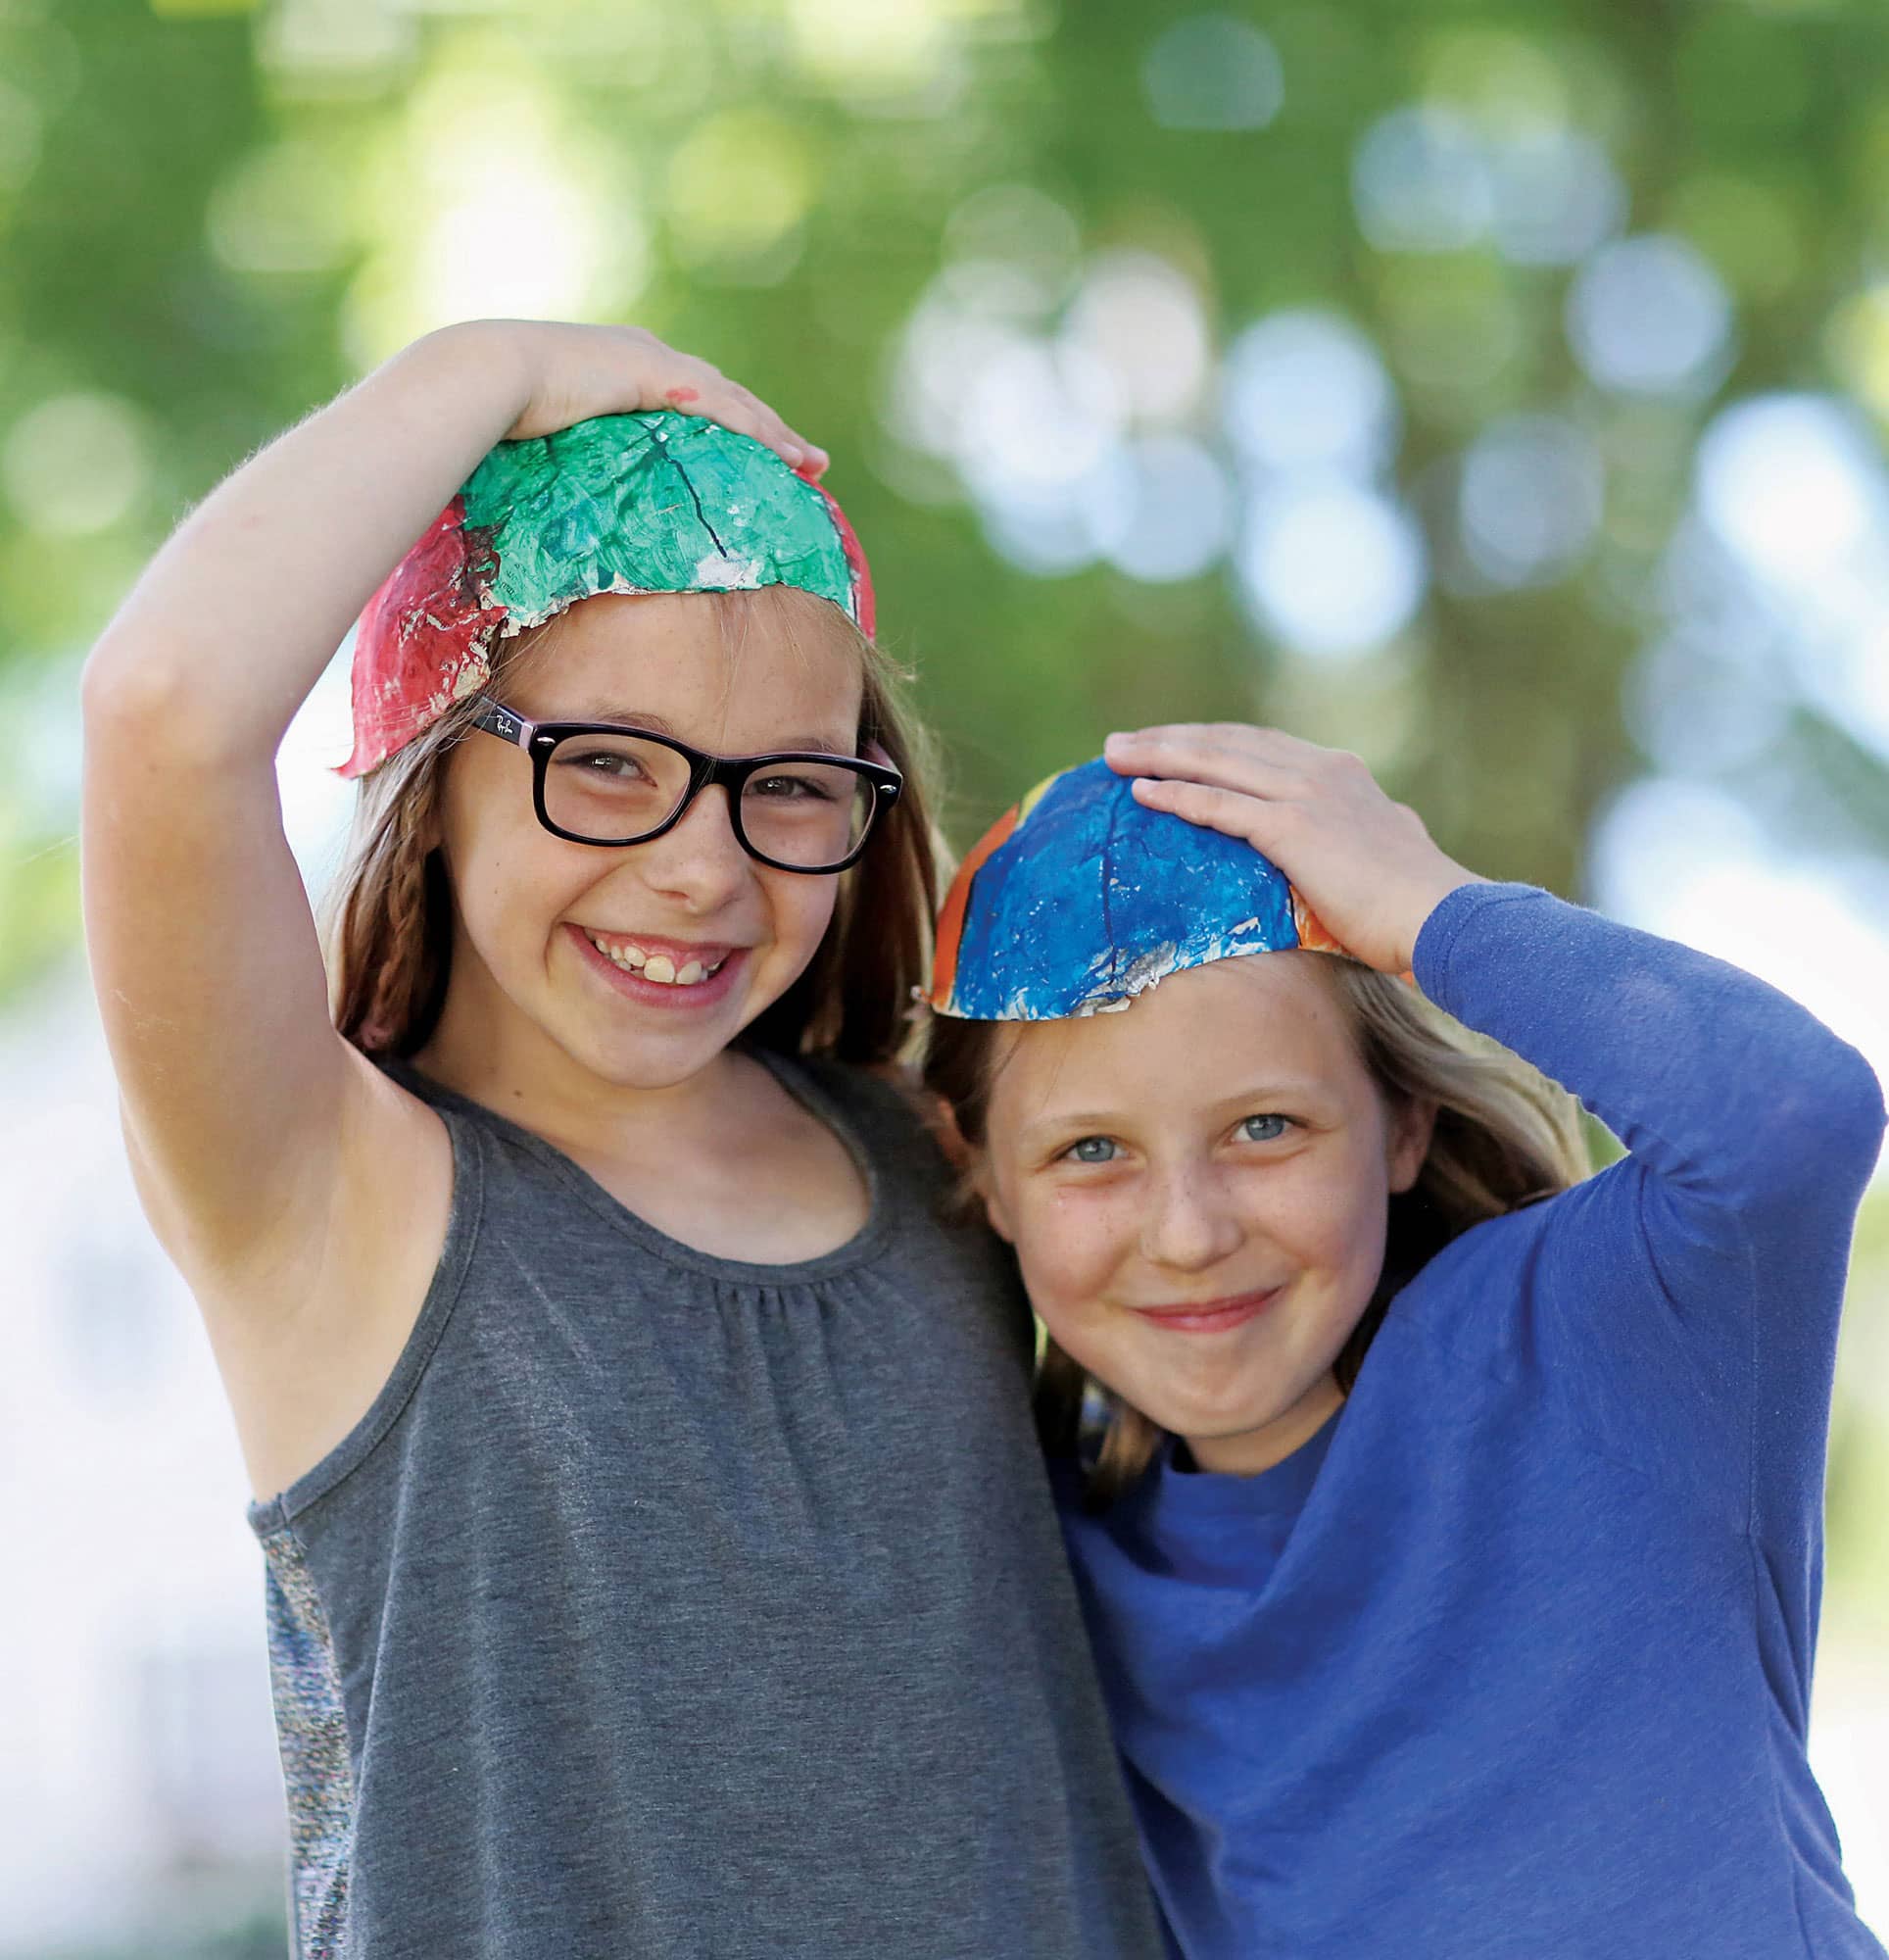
<point>1210,1316</point>
<point>661,961</point>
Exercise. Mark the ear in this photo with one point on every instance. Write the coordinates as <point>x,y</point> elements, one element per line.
<point>994,1211</point>
<point>1412,1126</point>
<point>941,1119</point>
<point>973,1167</point>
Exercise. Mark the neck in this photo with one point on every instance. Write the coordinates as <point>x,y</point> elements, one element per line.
<point>1252,1451</point>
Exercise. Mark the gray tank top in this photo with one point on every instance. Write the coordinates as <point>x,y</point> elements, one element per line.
<point>667,1607</point>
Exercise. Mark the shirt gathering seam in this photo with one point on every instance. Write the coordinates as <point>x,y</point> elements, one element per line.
<point>856,1135</point>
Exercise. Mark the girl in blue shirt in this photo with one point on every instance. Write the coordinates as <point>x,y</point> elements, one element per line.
<point>1452,1542</point>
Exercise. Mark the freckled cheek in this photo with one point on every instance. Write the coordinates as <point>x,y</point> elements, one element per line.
<point>1072,1250</point>
<point>512,893</point>
<point>803,911</point>
<point>1336,1226</point>
<point>1288,1221</point>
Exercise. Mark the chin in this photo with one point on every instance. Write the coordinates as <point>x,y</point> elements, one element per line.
<point>638,1058</point>
<point>1216,1425</point>
<point>652,1065</point>
<point>1218,1416</point>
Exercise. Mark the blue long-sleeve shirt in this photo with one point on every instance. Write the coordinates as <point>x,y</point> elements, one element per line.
<point>1514,1658</point>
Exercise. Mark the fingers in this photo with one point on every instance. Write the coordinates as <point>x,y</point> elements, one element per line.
<point>593,371</point>
<point>1230,811</point>
<point>695,387</point>
<point>1171,747</point>
<point>739,408</point>
<point>1256,761</point>
<point>1237,755</point>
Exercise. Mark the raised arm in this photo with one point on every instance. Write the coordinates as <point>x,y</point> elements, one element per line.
<point>269,1155</point>
<point>1687,1299</point>
<point>1684,1303</point>
<point>202,950</point>
<point>1727,1093</point>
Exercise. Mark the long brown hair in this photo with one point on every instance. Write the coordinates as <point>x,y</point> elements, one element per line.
<point>1505,1136</point>
<point>387,921</point>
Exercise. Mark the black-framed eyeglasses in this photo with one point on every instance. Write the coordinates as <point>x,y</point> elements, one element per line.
<point>596,782</point>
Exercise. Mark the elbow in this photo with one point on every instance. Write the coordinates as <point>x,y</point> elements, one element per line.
<point>144,702</point>
<point>1857,1107</point>
<point>1834,1108</point>
<point>126,685</point>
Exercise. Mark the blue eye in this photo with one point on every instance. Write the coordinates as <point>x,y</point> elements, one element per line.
<point>1092,1150</point>
<point>1265,1129</point>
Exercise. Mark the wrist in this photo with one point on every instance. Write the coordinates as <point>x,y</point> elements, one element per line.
<point>475,361</point>
<point>1448,881</point>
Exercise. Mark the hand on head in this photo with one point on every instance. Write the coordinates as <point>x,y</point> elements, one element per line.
<point>1364,863</point>
<point>575,371</point>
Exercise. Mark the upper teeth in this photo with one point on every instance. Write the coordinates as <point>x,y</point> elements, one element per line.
<point>657,967</point>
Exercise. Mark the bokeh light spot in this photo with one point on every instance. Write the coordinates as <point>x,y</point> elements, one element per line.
<point>1306,390</point>
<point>738,185</point>
<point>76,464</point>
<point>1555,196</point>
<point>20,125</point>
<point>1790,483</point>
<point>277,211</point>
<point>866,48</point>
<point>1333,571</point>
<point>1649,316</point>
<point>1163,510</point>
<point>1019,225</point>
<point>539,225</point>
<point>1754,233</point>
<point>1213,72</point>
<point>1528,502</point>
<point>1860,341</point>
<point>1143,320</point>
<point>1420,182</point>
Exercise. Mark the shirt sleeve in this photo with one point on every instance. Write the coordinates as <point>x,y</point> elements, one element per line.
<point>1688,1296</point>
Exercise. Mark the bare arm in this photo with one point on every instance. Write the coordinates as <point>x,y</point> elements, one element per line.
<point>275,1162</point>
<point>203,948</point>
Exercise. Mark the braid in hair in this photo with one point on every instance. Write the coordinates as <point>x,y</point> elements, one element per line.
<point>389,932</point>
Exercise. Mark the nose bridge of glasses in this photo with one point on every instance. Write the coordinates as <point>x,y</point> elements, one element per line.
<point>692,785</point>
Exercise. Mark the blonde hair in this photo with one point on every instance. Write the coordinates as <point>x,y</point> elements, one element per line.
<point>1505,1136</point>
<point>387,920</point>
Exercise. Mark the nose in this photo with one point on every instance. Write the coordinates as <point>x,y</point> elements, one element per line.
<point>1188,1225</point>
<point>700,863</point>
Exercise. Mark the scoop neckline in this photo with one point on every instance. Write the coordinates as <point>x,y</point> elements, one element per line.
<point>1280,1489</point>
<point>794,1075</point>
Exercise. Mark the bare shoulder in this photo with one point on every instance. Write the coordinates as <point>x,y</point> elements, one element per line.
<point>308,1325</point>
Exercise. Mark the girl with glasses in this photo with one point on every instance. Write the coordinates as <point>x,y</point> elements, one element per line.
<point>1449,1521</point>
<point>657,1560</point>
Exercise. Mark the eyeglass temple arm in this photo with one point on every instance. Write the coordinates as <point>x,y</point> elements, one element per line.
<point>875,755</point>
<point>501,723</point>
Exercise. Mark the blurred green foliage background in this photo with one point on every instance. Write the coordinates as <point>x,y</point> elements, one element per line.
<point>1494,389</point>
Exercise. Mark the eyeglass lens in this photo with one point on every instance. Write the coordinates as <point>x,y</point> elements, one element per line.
<point>612,789</point>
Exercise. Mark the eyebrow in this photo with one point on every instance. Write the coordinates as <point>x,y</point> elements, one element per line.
<point>656,724</point>
<point>1260,1096</point>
